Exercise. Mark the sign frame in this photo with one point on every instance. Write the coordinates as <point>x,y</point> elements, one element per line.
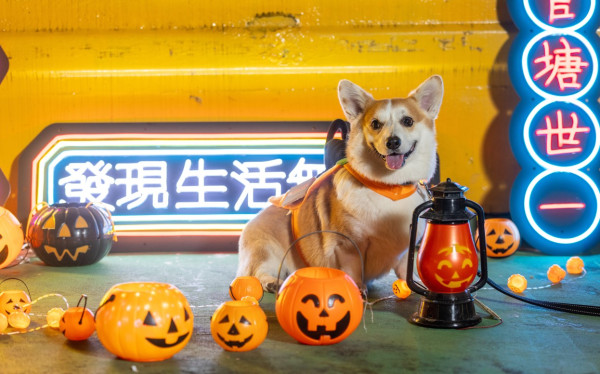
<point>190,238</point>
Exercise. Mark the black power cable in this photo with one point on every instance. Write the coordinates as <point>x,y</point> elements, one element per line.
<point>588,310</point>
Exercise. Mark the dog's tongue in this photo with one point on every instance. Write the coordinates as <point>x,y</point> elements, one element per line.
<point>394,161</point>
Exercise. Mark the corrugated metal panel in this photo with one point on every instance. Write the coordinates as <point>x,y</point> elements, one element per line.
<point>80,61</point>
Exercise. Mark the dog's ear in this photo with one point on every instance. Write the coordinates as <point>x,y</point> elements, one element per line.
<point>429,95</point>
<point>353,99</point>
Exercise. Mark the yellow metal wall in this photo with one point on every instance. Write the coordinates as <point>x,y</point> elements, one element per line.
<point>192,60</point>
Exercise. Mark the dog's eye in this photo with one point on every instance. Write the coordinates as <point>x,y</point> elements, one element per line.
<point>407,121</point>
<point>375,124</point>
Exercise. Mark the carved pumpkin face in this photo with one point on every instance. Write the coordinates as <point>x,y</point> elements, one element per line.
<point>501,236</point>
<point>239,325</point>
<point>319,306</point>
<point>77,323</point>
<point>455,269</point>
<point>70,234</point>
<point>444,265</point>
<point>11,237</point>
<point>14,300</point>
<point>144,321</point>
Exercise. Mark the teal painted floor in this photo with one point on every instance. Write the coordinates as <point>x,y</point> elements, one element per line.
<point>530,340</point>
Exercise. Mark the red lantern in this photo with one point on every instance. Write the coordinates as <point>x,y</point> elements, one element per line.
<point>11,237</point>
<point>447,266</point>
<point>447,259</point>
<point>144,321</point>
<point>319,306</point>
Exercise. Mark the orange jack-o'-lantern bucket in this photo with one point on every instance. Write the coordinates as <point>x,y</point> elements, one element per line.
<point>319,306</point>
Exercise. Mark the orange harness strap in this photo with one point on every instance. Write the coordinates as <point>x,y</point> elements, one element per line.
<point>393,192</point>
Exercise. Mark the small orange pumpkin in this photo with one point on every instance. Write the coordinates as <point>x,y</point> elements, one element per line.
<point>319,306</point>
<point>77,323</point>
<point>14,300</point>
<point>502,237</point>
<point>144,321</point>
<point>16,305</point>
<point>239,325</point>
<point>245,286</point>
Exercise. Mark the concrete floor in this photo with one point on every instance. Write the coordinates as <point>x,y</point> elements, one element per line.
<point>531,339</point>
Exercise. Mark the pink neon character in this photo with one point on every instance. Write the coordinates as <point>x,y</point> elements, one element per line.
<point>565,136</point>
<point>563,64</point>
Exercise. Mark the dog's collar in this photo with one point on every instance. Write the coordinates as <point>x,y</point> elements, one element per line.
<point>391,191</point>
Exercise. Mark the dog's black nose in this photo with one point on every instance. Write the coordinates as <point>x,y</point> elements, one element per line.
<point>393,142</point>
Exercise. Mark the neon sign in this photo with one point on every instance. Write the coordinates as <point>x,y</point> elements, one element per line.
<point>180,183</point>
<point>554,131</point>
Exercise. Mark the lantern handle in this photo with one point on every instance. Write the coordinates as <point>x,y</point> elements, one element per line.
<point>483,274</point>
<point>411,249</point>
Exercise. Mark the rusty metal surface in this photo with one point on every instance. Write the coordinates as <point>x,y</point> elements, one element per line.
<point>128,61</point>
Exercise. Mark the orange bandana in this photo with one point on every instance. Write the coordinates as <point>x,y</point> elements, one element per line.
<point>391,191</point>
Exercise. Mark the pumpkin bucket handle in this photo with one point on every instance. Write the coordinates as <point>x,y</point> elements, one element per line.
<point>85,299</point>
<point>20,280</point>
<point>362,263</point>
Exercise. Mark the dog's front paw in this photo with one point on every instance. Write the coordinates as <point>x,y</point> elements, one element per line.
<point>269,283</point>
<point>272,287</point>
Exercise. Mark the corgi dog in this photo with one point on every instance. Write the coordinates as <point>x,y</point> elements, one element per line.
<point>362,204</point>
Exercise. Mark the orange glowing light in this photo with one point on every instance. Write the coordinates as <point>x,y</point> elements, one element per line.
<point>401,289</point>
<point>556,273</point>
<point>19,320</point>
<point>575,265</point>
<point>517,283</point>
<point>53,317</point>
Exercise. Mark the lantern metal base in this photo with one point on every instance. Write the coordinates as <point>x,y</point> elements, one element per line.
<point>449,311</point>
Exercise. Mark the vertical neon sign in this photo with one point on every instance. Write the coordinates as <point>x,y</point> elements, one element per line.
<point>554,131</point>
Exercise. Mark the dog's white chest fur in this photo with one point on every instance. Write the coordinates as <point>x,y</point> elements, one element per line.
<point>384,221</point>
